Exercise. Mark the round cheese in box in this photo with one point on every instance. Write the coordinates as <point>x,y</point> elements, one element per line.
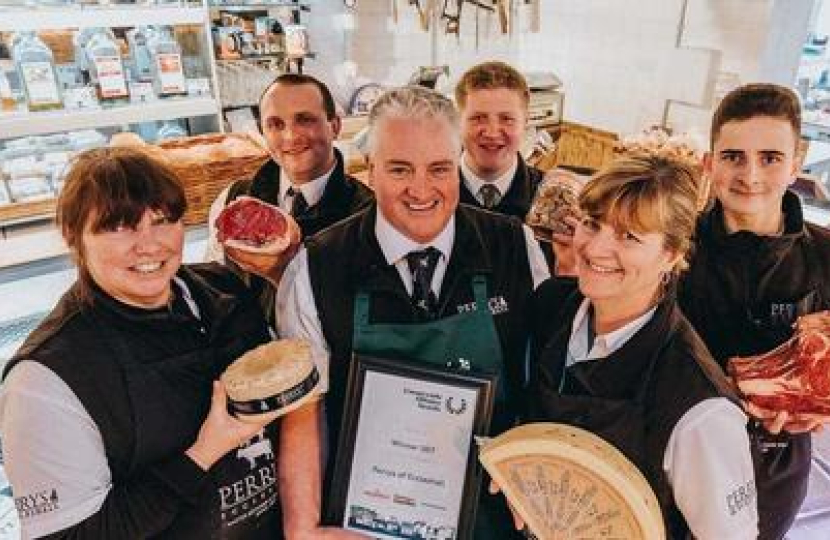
<point>567,483</point>
<point>271,380</point>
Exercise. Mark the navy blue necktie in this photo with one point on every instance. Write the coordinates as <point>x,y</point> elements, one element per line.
<point>298,202</point>
<point>490,196</point>
<point>422,265</point>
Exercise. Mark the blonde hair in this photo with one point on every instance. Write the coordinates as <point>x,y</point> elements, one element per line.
<point>491,76</point>
<point>646,193</point>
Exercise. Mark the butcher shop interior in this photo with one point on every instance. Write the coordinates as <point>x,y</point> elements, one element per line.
<point>193,84</point>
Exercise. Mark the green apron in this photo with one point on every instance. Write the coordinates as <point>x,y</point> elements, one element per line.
<point>466,341</point>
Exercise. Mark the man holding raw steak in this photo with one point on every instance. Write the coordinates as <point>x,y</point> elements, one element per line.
<point>757,267</point>
<point>306,177</point>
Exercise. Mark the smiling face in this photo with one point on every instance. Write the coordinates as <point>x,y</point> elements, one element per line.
<point>413,168</point>
<point>299,134</point>
<point>493,124</point>
<point>135,265</point>
<point>751,165</point>
<point>620,270</point>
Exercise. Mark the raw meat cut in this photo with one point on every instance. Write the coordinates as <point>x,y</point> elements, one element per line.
<point>795,376</point>
<point>253,225</point>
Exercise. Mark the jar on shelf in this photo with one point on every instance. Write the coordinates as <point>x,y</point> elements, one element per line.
<point>35,65</point>
<point>166,54</point>
<point>106,69</point>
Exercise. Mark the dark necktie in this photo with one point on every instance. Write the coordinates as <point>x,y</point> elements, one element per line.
<point>489,195</point>
<point>298,202</point>
<point>422,265</point>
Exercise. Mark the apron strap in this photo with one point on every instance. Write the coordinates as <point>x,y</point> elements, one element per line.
<point>480,292</point>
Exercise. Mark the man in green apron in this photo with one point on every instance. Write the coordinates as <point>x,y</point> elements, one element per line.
<point>416,276</point>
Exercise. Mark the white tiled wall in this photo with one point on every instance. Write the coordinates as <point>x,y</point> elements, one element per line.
<point>617,57</point>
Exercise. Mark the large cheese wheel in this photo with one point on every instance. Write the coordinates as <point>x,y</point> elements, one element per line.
<point>568,483</point>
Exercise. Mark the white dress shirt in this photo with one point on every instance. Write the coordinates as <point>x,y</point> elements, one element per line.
<point>296,311</point>
<point>474,182</point>
<point>312,192</point>
<point>707,459</point>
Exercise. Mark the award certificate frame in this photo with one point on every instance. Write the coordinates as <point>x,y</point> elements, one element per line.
<point>406,463</point>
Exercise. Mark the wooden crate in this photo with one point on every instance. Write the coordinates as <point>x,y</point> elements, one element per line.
<point>583,147</point>
<point>205,178</point>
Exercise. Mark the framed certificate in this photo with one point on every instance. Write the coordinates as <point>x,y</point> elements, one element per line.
<point>406,463</point>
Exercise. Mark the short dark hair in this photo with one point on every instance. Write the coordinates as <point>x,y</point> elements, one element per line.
<point>107,187</point>
<point>298,79</point>
<point>757,99</point>
<point>491,76</point>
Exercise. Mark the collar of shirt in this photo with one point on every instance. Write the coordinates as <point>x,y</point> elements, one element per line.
<point>312,191</point>
<point>188,298</point>
<point>604,345</point>
<point>474,182</point>
<point>395,247</point>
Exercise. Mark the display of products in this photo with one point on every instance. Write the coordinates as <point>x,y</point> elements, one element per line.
<point>36,66</point>
<point>105,67</point>
<point>167,71</point>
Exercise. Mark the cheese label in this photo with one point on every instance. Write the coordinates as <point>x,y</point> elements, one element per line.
<point>110,73</point>
<point>171,76</point>
<point>41,86</point>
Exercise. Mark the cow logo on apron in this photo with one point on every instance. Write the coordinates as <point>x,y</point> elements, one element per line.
<point>254,490</point>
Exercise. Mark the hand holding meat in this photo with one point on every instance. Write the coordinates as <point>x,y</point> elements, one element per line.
<point>793,378</point>
<point>259,237</point>
<point>555,202</point>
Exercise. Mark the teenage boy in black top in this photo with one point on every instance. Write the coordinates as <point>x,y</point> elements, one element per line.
<point>758,266</point>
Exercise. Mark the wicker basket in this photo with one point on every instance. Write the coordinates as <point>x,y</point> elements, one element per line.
<point>204,179</point>
<point>27,211</point>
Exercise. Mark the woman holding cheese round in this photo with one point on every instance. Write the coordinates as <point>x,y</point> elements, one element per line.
<point>613,354</point>
<point>112,424</point>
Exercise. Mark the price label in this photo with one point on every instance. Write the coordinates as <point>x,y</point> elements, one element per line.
<point>198,86</point>
<point>142,92</point>
<point>80,98</point>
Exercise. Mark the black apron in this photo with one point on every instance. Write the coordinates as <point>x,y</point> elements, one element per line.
<point>620,421</point>
<point>465,341</point>
<point>170,399</point>
<point>782,462</point>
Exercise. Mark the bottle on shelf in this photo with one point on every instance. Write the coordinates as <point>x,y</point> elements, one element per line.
<point>168,74</point>
<point>106,69</point>
<point>79,41</point>
<point>142,59</point>
<point>7,101</point>
<point>36,66</point>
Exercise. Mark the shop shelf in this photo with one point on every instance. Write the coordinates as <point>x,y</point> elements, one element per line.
<point>25,124</point>
<point>13,20</point>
